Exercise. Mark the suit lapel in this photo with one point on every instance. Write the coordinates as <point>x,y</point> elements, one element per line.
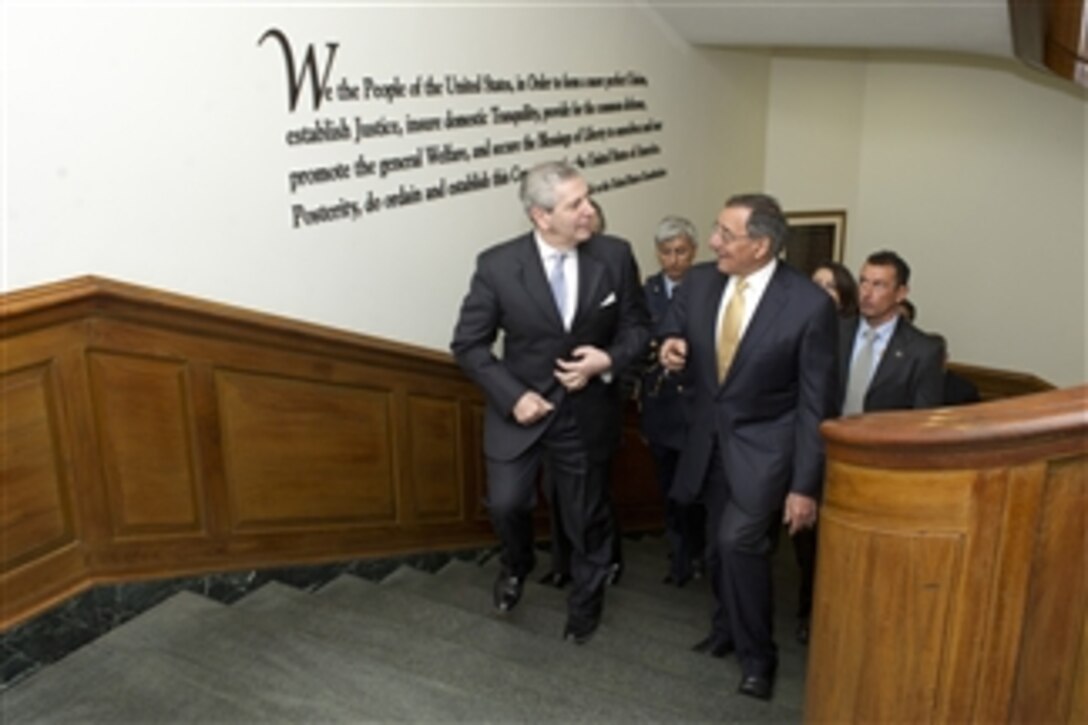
<point>533,279</point>
<point>709,329</point>
<point>848,332</point>
<point>893,354</point>
<point>590,275</point>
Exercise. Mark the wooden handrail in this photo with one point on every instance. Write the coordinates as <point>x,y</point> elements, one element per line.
<point>952,583</point>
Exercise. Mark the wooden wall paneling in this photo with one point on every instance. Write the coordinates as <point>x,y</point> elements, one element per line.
<point>978,591</point>
<point>476,486</point>
<point>635,491</point>
<point>302,453</point>
<point>36,515</point>
<point>913,565</point>
<point>1057,600</point>
<point>146,435</point>
<point>435,470</point>
<point>42,556</point>
<point>1009,577</point>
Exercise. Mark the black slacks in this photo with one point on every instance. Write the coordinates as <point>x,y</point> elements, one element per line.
<point>684,522</point>
<point>581,491</point>
<point>741,545</point>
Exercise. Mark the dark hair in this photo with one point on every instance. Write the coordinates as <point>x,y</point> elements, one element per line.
<point>909,308</point>
<point>887,258</point>
<point>845,285</point>
<point>766,218</point>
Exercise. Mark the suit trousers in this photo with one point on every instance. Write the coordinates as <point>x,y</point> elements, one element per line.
<point>581,491</point>
<point>804,551</point>
<point>560,545</point>
<point>741,544</point>
<point>684,522</point>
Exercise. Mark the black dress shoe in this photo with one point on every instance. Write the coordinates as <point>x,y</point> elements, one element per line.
<point>507,592</point>
<point>555,579</point>
<point>713,646</point>
<point>677,581</point>
<point>579,632</point>
<point>802,631</point>
<point>614,574</point>
<point>756,686</point>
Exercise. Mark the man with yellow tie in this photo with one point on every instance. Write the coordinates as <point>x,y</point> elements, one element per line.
<point>759,342</point>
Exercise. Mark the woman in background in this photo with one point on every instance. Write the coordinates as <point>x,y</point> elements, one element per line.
<point>838,282</point>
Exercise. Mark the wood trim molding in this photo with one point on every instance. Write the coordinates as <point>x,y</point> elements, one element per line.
<point>148,435</point>
<point>1052,35</point>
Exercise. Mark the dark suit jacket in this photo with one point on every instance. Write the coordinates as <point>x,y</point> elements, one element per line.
<point>765,416</point>
<point>663,398</point>
<point>910,373</point>
<point>509,292</point>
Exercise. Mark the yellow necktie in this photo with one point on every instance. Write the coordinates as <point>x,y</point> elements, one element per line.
<point>729,332</point>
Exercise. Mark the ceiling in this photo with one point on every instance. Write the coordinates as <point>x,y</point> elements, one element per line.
<point>963,26</point>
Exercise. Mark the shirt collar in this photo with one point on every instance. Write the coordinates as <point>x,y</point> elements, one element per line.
<point>547,252</point>
<point>758,280</point>
<point>883,331</point>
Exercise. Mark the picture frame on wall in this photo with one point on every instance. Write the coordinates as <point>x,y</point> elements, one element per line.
<point>815,237</point>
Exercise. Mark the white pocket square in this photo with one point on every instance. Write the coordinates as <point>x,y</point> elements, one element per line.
<point>609,300</point>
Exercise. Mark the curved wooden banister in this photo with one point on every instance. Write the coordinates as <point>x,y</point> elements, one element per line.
<point>952,583</point>
<point>1005,430</point>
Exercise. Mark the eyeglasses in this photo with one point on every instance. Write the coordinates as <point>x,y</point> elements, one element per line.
<point>726,235</point>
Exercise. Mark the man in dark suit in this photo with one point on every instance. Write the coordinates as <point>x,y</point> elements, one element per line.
<point>885,362</point>
<point>663,399</point>
<point>568,304</point>
<point>758,339</point>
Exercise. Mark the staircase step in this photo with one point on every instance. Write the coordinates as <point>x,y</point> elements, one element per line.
<point>688,608</point>
<point>636,679</point>
<point>443,646</point>
<point>152,668</point>
<point>638,616</point>
<point>700,686</point>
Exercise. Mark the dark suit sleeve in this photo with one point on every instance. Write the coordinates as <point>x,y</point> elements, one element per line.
<point>815,398</point>
<point>929,386</point>
<point>633,331</point>
<point>473,338</point>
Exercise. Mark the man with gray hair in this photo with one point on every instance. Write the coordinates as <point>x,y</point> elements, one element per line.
<point>573,317</point>
<point>758,339</point>
<point>663,398</point>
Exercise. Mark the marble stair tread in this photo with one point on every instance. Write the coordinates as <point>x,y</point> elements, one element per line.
<point>683,608</point>
<point>511,691</point>
<point>624,635</point>
<point>144,671</point>
<point>633,634</point>
<point>620,639</point>
<point>635,679</point>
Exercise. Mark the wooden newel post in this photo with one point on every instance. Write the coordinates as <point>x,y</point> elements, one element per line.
<point>952,583</point>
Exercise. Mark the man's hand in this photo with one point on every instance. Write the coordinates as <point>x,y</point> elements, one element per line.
<point>531,407</point>
<point>673,354</point>
<point>586,362</point>
<point>800,512</point>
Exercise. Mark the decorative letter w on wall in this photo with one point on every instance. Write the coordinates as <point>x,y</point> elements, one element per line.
<point>296,78</point>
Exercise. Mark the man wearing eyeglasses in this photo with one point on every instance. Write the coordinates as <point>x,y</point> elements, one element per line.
<point>759,341</point>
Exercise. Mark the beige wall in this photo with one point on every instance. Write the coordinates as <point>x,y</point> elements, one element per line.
<point>147,144</point>
<point>973,170</point>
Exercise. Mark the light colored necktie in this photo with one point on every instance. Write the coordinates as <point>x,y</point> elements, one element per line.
<point>558,281</point>
<point>729,332</point>
<point>861,370</point>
